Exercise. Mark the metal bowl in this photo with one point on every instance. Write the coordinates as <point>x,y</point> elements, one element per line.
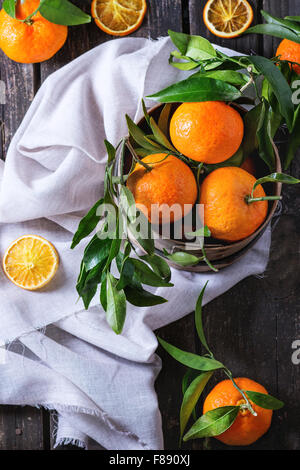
<point>220,253</point>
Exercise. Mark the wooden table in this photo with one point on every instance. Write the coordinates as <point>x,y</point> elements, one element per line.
<point>252,327</point>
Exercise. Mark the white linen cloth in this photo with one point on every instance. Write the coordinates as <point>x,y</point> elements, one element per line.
<point>100,384</point>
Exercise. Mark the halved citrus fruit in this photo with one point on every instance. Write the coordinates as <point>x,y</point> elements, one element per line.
<point>227,18</point>
<point>118,17</point>
<point>30,262</point>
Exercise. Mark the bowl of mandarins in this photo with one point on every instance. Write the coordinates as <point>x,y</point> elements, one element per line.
<point>195,173</point>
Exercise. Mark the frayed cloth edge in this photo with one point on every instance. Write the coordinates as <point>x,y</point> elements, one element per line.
<point>65,441</point>
<point>88,411</point>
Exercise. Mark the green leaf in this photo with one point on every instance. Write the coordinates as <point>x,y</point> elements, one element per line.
<point>279,177</point>
<point>266,150</point>
<point>96,251</point>
<point>87,224</point>
<point>293,18</point>
<point>63,12</point>
<point>127,203</point>
<point>213,423</point>
<point>145,275</point>
<point>198,320</point>
<point>279,86</point>
<point>136,295</point>
<point>229,76</point>
<point>103,292</point>
<point>163,121</point>
<point>189,65</point>
<point>274,30</point>
<point>294,139</point>
<point>251,122</point>
<point>197,89</point>
<point>286,23</point>
<point>116,305</point>
<point>138,135</point>
<point>189,359</point>
<point>264,400</point>
<point>111,151</point>
<point>160,136</point>
<point>9,7</point>
<point>159,266</point>
<point>194,47</point>
<point>201,232</point>
<point>180,40</point>
<point>183,259</point>
<point>191,397</point>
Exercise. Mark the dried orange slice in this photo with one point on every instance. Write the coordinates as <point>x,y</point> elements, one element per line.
<point>30,262</point>
<point>118,17</point>
<point>227,18</point>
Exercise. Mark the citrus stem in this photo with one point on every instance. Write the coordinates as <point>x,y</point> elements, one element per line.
<point>250,199</point>
<point>28,20</point>
<point>247,404</point>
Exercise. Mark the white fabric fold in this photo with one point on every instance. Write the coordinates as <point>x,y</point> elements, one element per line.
<point>61,356</point>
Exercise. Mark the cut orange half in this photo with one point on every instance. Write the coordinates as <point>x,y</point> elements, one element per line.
<point>227,18</point>
<point>118,17</point>
<point>30,262</point>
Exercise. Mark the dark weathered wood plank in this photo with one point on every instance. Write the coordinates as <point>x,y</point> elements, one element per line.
<point>20,428</point>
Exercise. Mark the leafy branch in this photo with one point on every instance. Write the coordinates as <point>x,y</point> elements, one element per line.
<point>223,78</point>
<point>60,12</point>
<point>217,421</point>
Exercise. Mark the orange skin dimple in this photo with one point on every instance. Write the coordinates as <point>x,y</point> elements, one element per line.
<point>209,132</point>
<point>170,182</point>
<point>289,50</point>
<point>226,213</point>
<point>247,428</point>
<point>30,43</point>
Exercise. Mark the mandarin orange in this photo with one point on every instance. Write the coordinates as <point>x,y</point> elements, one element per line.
<point>227,213</point>
<point>289,50</point>
<point>33,41</point>
<point>247,428</point>
<point>209,132</point>
<point>166,192</point>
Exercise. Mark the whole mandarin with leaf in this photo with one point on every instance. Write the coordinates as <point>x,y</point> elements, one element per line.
<point>167,182</point>
<point>209,132</point>
<point>35,40</point>
<point>246,428</point>
<point>290,50</point>
<point>228,212</point>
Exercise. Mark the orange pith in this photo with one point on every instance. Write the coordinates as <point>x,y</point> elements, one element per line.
<point>209,132</point>
<point>226,213</point>
<point>170,182</point>
<point>247,428</point>
<point>227,18</point>
<point>289,50</point>
<point>30,262</point>
<point>119,17</point>
<point>30,43</point>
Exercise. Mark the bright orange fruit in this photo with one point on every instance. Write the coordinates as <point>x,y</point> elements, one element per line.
<point>170,183</point>
<point>289,50</point>
<point>208,132</point>
<point>247,428</point>
<point>30,262</point>
<point>119,17</point>
<point>31,42</point>
<point>226,212</point>
<point>227,18</point>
